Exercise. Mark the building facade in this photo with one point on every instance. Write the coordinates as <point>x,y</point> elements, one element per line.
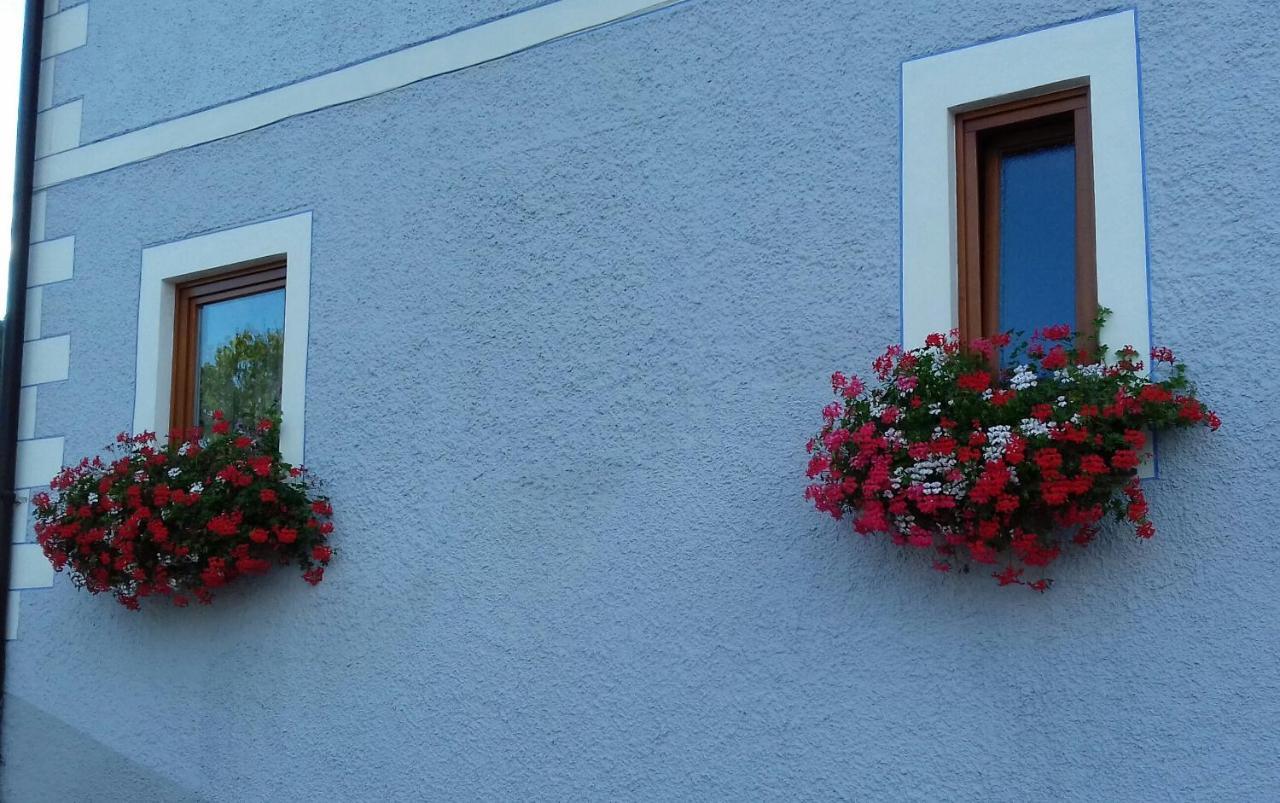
<point>560,288</point>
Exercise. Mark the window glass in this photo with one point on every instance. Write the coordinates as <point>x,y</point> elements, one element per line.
<point>1025,241</point>
<point>1037,266</point>
<point>240,358</point>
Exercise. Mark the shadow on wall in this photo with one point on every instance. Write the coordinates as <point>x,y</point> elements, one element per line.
<point>88,762</point>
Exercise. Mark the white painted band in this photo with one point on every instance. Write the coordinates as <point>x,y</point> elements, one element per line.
<point>21,519</point>
<point>467,48</point>
<point>30,568</point>
<point>38,462</point>
<point>27,413</point>
<point>46,360</point>
<point>46,84</point>
<point>51,261</point>
<point>39,208</point>
<point>65,31</point>
<point>58,128</point>
<point>35,302</point>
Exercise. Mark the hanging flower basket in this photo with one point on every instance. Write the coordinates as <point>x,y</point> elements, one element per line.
<point>183,519</point>
<point>972,464</point>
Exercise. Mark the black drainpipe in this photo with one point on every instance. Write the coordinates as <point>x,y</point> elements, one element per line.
<point>15,321</point>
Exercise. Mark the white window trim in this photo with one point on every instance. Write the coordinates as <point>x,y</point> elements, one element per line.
<point>1102,52</point>
<point>165,266</point>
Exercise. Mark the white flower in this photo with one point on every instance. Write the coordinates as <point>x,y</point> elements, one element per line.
<point>173,472</point>
<point>197,488</point>
<point>1023,378</point>
<point>183,449</point>
<point>1032,427</point>
<point>93,498</point>
<point>998,438</point>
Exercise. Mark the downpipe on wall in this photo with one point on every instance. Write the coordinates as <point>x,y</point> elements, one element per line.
<point>16,319</point>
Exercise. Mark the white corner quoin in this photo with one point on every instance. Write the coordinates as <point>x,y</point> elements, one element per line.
<point>164,266</point>
<point>1101,52</point>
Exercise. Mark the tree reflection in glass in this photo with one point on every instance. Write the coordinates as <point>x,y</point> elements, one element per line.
<point>241,350</point>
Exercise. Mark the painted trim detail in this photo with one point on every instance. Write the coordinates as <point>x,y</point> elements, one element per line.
<point>58,128</point>
<point>39,210</point>
<point>65,30</point>
<point>51,261</point>
<point>21,520</point>
<point>45,99</point>
<point>46,360</point>
<point>164,266</point>
<point>467,48</point>
<point>39,461</point>
<point>31,569</point>
<point>1102,52</point>
<point>35,300</point>
<point>27,413</point>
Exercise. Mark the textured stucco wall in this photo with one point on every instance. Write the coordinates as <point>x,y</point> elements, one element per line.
<point>149,60</point>
<point>573,315</point>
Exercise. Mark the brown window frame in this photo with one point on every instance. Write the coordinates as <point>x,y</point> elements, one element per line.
<point>983,137</point>
<point>250,279</point>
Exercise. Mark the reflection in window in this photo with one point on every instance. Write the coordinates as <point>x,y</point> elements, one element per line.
<point>228,347</point>
<point>241,348</point>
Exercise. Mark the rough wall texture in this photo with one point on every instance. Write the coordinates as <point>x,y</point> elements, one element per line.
<point>572,317</point>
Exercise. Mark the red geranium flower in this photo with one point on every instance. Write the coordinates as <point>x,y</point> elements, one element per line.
<point>981,460</point>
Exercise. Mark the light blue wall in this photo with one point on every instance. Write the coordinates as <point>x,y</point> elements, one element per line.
<point>573,315</point>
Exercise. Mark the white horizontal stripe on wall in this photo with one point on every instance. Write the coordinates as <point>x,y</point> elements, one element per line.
<point>58,129</point>
<point>30,568</point>
<point>39,461</point>
<point>46,360</point>
<point>467,48</point>
<point>51,261</point>
<point>65,31</point>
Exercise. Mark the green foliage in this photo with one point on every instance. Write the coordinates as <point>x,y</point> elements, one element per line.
<point>244,379</point>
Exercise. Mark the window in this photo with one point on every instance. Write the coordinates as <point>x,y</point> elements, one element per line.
<point>243,293</point>
<point>1025,215</point>
<point>941,89</point>
<point>228,351</point>
<point>1031,210</point>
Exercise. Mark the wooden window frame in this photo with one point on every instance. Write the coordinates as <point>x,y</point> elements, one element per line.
<point>260,276</point>
<point>983,137</point>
